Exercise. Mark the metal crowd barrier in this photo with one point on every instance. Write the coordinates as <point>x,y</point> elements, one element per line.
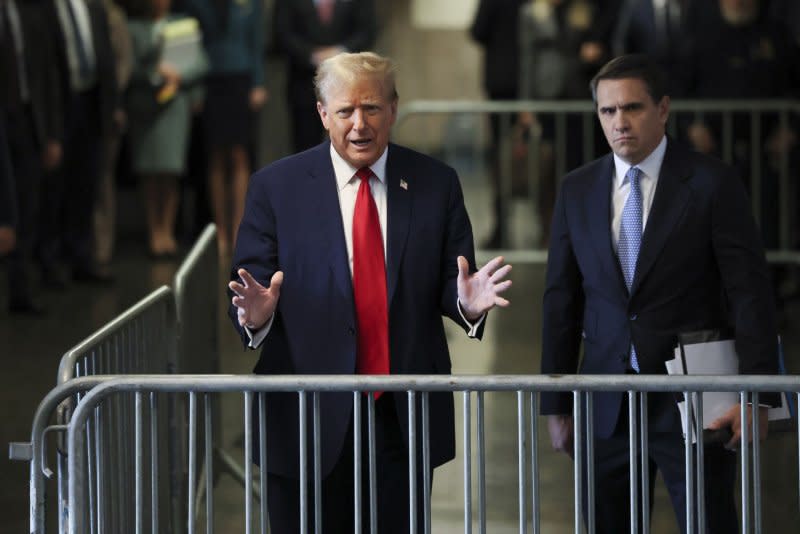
<point>165,332</point>
<point>725,112</point>
<point>86,514</point>
<point>197,289</point>
<point>140,340</point>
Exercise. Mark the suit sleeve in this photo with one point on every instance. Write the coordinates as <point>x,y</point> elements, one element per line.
<point>745,278</point>
<point>458,242</point>
<point>256,244</point>
<point>562,309</point>
<point>482,24</point>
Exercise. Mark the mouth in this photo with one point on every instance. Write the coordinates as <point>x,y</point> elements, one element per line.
<point>624,139</point>
<point>361,142</point>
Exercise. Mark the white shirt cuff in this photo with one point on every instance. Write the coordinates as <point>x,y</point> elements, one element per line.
<point>257,336</point>
<point>473,327</point>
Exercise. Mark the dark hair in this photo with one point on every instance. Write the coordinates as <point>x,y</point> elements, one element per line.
<point>637,66</point>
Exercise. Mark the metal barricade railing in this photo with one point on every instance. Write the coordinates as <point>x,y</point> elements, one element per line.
<point>417,389</point>
<point>563,135</point>
<point>197,306</point>
<point>145,339</point>
<point>140,340</point>
<point>197,286</point>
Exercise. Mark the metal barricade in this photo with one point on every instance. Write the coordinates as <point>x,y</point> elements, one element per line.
<point>197,303</point>
<point>574,122</point>
<point>140,340</point>
<point>417,388</point>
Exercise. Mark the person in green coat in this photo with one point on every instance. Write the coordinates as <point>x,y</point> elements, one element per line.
<point>169,63</point>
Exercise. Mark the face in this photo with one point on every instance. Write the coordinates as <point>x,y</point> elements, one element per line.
<point>359,118</point>
<point>632,122</point>
<point>738,12</point>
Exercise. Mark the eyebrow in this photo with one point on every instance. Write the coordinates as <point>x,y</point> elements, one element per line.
<point>629,106</point>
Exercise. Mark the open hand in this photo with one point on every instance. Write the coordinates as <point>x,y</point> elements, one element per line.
<point>255,303</point>
<point>480,292</point>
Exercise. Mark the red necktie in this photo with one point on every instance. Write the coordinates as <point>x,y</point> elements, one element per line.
<point>369,284</point>
<point>325,10</point>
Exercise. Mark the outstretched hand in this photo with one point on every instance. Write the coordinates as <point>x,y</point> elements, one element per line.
<point>255,303</point>
<point>480,292</point>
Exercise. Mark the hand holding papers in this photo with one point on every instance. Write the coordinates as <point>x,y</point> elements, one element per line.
<point>182,53</point>
<point>711,356</point>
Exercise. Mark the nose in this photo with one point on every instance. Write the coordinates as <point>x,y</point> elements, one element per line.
<point>621,123</point>
<point>358,119</point>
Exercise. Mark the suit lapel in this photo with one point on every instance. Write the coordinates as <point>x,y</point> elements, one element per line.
<point>669,204</point>
<point>598,209</point>
<point>325,207</point>
<point>398,205</point>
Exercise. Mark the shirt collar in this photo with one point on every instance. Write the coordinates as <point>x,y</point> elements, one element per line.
<point>346,172</point>
<point>650,166</point>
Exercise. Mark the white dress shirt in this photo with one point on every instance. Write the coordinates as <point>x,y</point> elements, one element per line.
<point>648,179</point>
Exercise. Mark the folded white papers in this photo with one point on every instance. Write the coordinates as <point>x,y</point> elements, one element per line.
<point>713,358</point>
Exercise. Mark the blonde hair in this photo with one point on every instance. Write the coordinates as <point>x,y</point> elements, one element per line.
<point>345,68</point>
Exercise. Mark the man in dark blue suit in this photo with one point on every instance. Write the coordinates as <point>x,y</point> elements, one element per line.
<point>698,264</point>
<point>301,286</point>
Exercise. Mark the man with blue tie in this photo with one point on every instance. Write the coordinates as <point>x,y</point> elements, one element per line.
<point>347,258</point>
<point>647,243</point>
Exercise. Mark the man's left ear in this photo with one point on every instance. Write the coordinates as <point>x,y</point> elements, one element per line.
<point>663,108</point>
<point>323,114</point>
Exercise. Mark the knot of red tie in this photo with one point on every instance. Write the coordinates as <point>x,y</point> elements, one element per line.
<point>364,173</point>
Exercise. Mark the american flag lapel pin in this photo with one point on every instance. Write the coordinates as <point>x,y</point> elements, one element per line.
<point>403,184</point>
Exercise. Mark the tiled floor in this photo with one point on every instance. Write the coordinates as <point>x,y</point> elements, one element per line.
<point>31,350</point>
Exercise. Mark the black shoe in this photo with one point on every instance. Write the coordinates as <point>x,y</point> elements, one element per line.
<point>26,306</point>
<point>93,276</point>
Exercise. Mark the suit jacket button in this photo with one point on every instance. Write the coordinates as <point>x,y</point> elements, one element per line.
<point>352,331</point>
<point>634,317</point>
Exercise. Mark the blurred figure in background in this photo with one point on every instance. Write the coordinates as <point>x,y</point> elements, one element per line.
<point>8,197</point>
<point>88,86</point>
<point>160,100</point>
<point>311,31</point>
<point>233,36</point>
<point>740,53</point>
<point>105,205</point>
<point>562,44</point>
<point>496,29</point>
<point>656,28</point>
<point>31,110</point>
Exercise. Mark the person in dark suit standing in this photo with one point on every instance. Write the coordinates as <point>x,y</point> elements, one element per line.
<point>496,28</point>
<point>310,31</point>
<point>347,258</point>
<point>649,242</point>
<point>31,113</point>
<point>87,80</point>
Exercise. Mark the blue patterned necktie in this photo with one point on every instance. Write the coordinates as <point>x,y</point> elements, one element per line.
<point>630,238</point>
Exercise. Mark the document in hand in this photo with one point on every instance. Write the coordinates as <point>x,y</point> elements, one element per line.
<point>183,44</point>
<point>708,355</point>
